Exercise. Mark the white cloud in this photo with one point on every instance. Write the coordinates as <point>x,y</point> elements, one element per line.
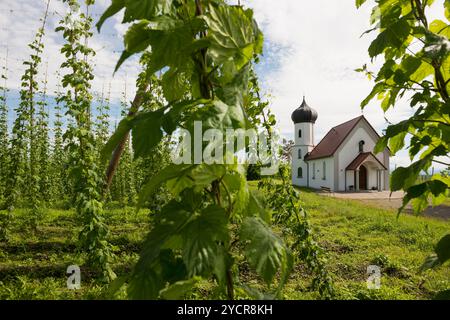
<point>312,48</point>
<point>322,48</point>
<point>19,21</point>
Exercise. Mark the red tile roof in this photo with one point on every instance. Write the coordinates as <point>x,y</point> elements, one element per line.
<point>333,139</point>
<point>360,159</point>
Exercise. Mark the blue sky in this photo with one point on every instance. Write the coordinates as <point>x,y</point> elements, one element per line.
<point>311,48</point>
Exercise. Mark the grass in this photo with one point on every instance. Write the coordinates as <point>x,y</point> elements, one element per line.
<point>354,235</point>
<point>33,264</point>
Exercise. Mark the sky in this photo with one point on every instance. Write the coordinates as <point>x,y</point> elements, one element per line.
<point>311,48</point>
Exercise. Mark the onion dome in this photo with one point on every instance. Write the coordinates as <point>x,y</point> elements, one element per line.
<point>304,113</point>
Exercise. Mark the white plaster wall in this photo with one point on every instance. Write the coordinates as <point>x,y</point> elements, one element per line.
<point>318,182</point>
<point>350,180</point>
<point>307,138</point>
<point>306,144</point>
<point>371,177</point>
<point>296,163</point>
<point>350,149</point>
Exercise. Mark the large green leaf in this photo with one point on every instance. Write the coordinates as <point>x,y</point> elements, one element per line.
<point>202,238</point>
<point>137,39</point>
<point>168,173</point>
<point>264,250</point>
<point>173,41</point>
<point>447,9</point>
<point>441,28</point>
<point>359,3</point>
<point>233,33</point>
<point>443,249</point>
<point>444,294</point>
<point>177,290</point>
<point>115,7</point>
<point>146,132</point>
<point>397,142</point>
<point>393,36</point>
<point>146,9</point>
<point>136,10</point>
<point>146,280</point>
<point>197,177</point>
<point>218,115</point>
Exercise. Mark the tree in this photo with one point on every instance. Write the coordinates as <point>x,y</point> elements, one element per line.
<point>204,50</point>
<point>60,186</point>
<point>23,179</point>
<point>416,55</point>
<point>80,140</point>
<point>4,135</point>
<point>43,145</point>
<point>5,218</point>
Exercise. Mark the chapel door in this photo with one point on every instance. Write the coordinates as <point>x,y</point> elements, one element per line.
<point>362,178</point>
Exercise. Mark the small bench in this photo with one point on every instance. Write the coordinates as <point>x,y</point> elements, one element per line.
<point>325,189</point>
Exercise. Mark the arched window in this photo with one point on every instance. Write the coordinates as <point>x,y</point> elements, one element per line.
<point>300,173</point>
<point>299,153</point>
<point>314,171</point>
<point>361,146</point>
<point>299,133</point>
<point>324,169</point>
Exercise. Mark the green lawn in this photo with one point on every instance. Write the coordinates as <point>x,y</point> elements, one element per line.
<point>356,235</point>
<point>33,264</point>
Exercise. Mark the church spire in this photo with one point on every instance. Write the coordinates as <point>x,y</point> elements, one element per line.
<point>304,113</point>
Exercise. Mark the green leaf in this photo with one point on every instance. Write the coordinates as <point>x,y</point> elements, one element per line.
<point>236,184</point>
<point>146,280</point>
<point>377,89</point>
<point>122,130</point>
<point>443,249</point>
<point>445,294</point>
<point>401,177</point>
<point>204,174</point>
<point>359,3</point>
<point>382,144</point>
<point>219,115</point>
<point>146,9</point>
<point>177,290</point>
<point>255,208</point>
<point>145,285</point>
<point>136,39</point>
<point>202,239</point>
<point>264,250</point>
<point>197,177</point>
<point>397,143</point>
<point>146,132</point>
<point>447,9</point>
<point>441,28</point>
<point>115,7</point>
<point>174,84</point>
<point>408,67</point>
<point>233,34</point>
<point>170,172</point>
<point>419,204</point>
<point>172,41</point>
<point>175,114</point>
<point>422,72</point>
<point>393,36</point>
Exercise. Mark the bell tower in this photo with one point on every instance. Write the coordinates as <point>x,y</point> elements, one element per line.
<point>304,118</point>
